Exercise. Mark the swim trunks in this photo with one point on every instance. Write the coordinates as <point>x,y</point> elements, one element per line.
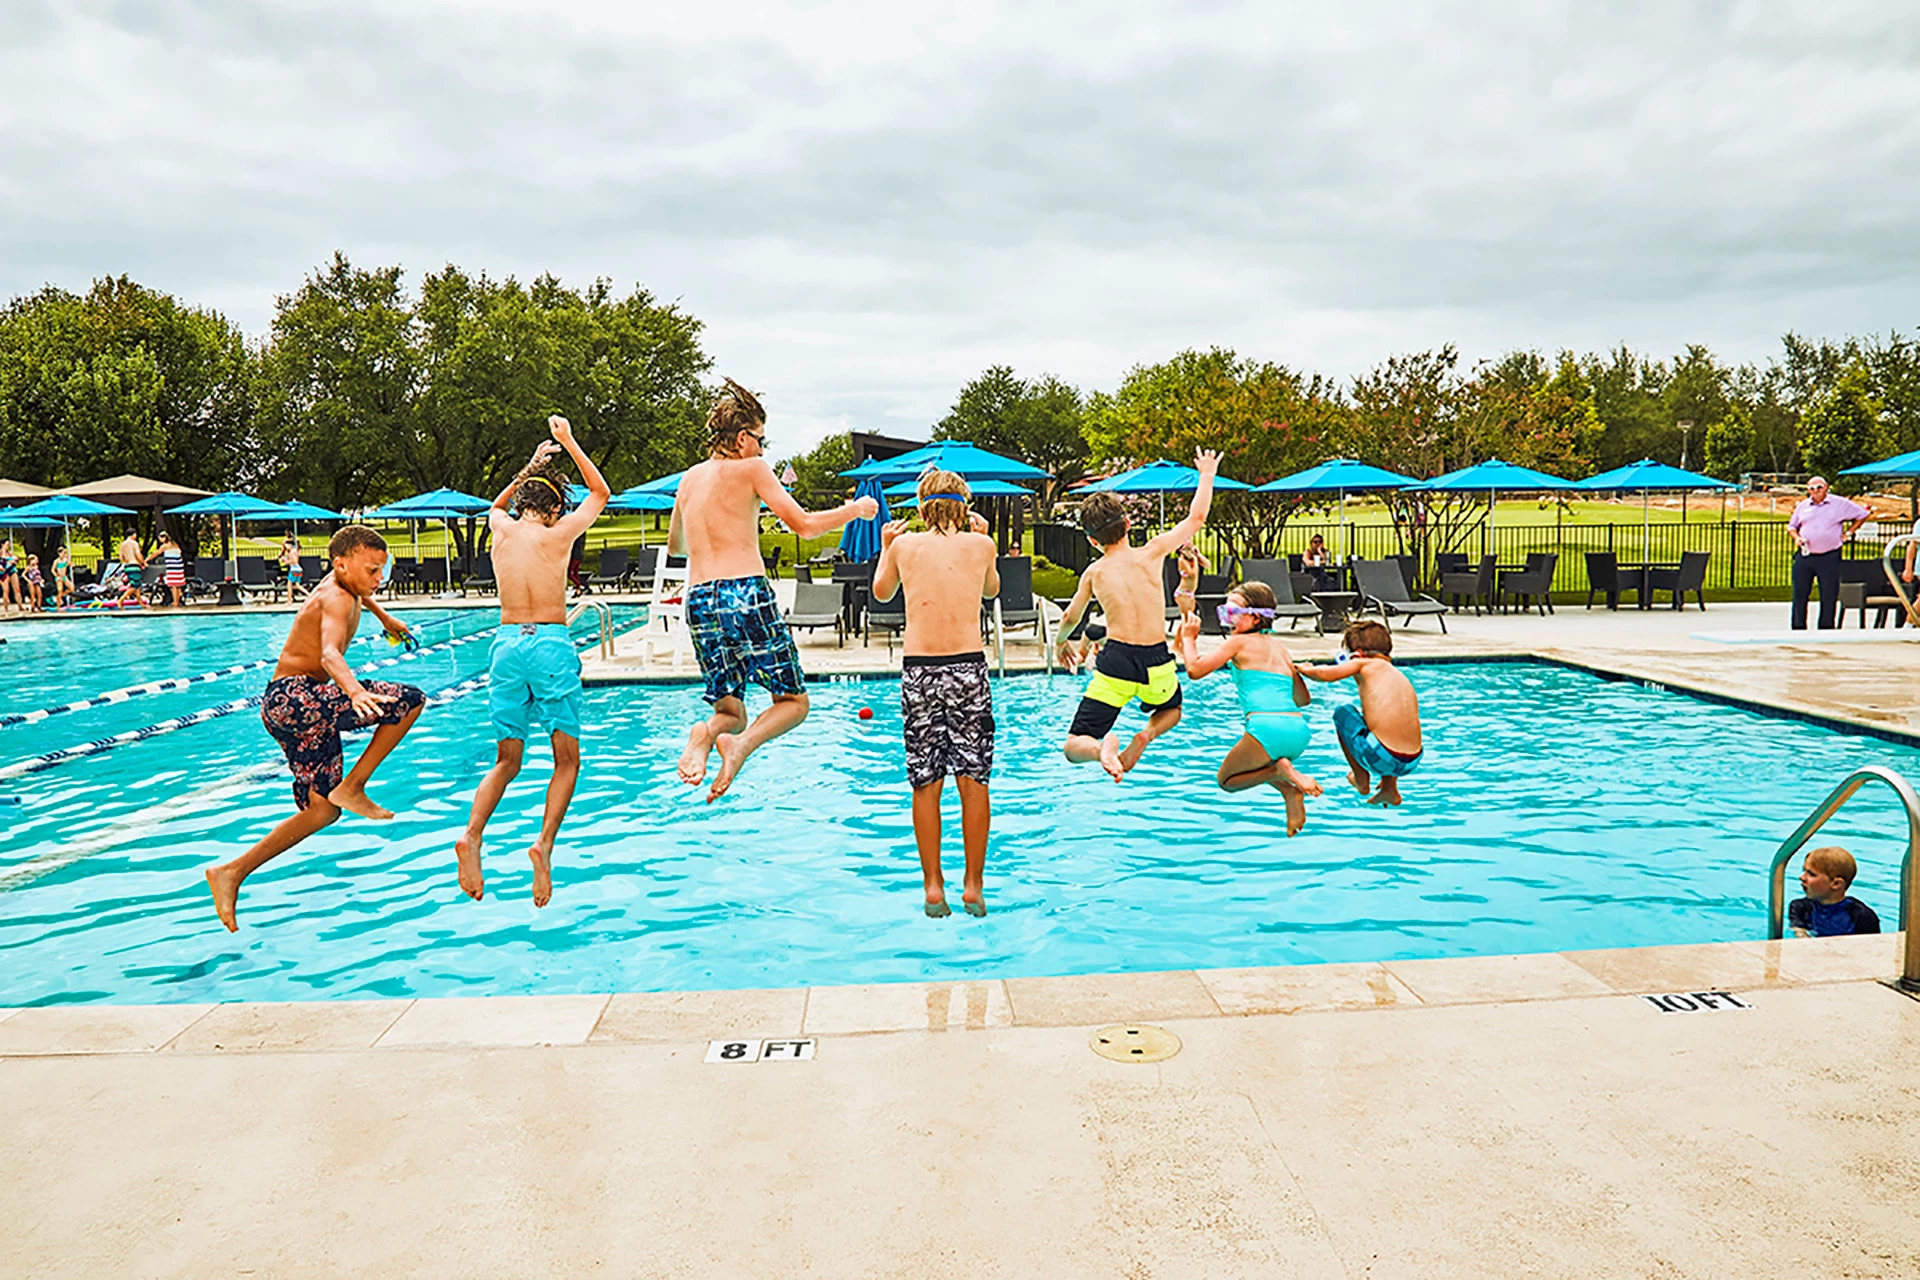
<point>133,574</point>
<point>946,710</point>
<point>1122,673</point>
<point>305,716</point>
<point>1368,751</point>
<point>739,635</point>
<point>533,674</point>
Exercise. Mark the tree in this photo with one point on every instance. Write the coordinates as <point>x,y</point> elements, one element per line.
<point>817,472</point>
<point>1839,430</point>
<point>1729,445</point>
<point>1039,422</point>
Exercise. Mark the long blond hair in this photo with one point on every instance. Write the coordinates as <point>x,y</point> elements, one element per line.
<point>944,515</point>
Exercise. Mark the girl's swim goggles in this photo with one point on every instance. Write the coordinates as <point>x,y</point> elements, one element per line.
<point>1229,613</point>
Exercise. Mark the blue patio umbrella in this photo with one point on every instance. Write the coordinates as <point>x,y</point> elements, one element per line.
<point>665,484</point>
<point>439,504</point>
<point>1340,476</point>
<point>1904,466</point>
<point>1494,477</point>
<point>64,507</point>
<point>1646,477</point>
<point>298,510</point>
<point>235,506</point>
<point>1161,477</point>
<point>860,539</point>
<point>635,500</point>
<point>961,457</point>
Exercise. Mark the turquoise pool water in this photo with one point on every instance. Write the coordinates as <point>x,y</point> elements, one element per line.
<point>1554,810</point>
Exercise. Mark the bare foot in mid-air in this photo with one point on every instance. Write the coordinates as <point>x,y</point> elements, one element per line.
<point>1388,794</point>
<point>467,850</point>
<point>693,761</point>
<point>1296,808</point>
<point>225,883</point>
<point>974,900</point>
<point>937,908</point>
<point>542,856</point>
<point>1110,758</point>
<point>1300,781</point>
<point>733,754</point>
<point>1135,749</point>
<point>1361,782</point>
<point>352,797</point>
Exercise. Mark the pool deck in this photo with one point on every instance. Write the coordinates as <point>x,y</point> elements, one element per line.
<point>1491,1117</point>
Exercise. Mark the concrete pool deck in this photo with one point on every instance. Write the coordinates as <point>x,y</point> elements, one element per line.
<point>1489,1117</point>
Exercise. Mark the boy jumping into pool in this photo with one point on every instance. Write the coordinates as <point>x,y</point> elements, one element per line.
<point>313,696</point>
<point>738,633</point>
<point>1271,695</point>
<point>946,705</point>
<point>534,671</point>
<point>1381,735</point>
<point>1134,661</point>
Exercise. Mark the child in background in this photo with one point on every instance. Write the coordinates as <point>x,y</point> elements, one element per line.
<point>36,586</point>
<point>1271,693</point>
<point>946,702</point>
<point>1381,735</point>
<point>63,577</point>
<point>1191,563</point>
<point>10,585</point>
<point>1827,911</point>
<point>290,565</point>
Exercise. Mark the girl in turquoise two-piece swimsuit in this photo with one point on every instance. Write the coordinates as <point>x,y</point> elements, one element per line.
<point>1271,697</point>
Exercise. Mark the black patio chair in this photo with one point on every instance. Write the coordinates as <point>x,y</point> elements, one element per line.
<point>889,616</point>
<point>1169,583</point>
<point>1383,588</point>
<point>1533,585</point>
<point>773,561</point>
<point>820,604</point>
<point>803,572</point>
<point>1475,587</point>
<point>1450,562</point>
<point>1015,603</point>
<point>1691,576</point>
<point>613,568</point>
<point>1287,604</point>
<point>480,577</point>
<point>251,574</point>
<point>645,567</point>
<point>856,577</point>
<point>1604,578</point>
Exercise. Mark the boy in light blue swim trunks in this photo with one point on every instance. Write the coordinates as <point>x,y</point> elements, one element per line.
<point>1271,695</point>
<point>534,673</point>
<point>1381,736</point>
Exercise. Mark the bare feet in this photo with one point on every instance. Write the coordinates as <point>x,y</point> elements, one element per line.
<point>1110,758</point>
<point>937,908</point>
<point>1361,782</point>
<point>974,901</point>
<point>1388,794</point>
<point>542,856</point>
<point>733,754</point>
<point>1135,749</point>
<point>1296,809</point>
<point>693,761</point>
<point>467,850</point>
<point>1306,786</point>
<point>225,883</point>
<point>352,797</point>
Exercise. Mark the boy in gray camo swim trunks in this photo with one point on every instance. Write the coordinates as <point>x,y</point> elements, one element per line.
<point>736,628</point>
<point>946,704</point>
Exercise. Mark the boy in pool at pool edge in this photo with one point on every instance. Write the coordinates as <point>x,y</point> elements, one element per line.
<point>1271,694</point>
<point>1134,661</point>
<point>946,702</point>
<point>1381,735</point>
<point>533,670</point>
<point>313,696</point>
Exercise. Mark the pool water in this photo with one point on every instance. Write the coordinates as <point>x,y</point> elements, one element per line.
<point>1554,810</point>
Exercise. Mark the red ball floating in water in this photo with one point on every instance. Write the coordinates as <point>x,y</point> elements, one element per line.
<point>866,713</point>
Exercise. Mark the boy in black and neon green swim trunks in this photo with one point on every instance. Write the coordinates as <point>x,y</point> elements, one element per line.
<point>1134,662</point>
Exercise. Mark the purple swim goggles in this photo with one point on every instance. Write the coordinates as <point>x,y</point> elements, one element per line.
<point>1230,613</point>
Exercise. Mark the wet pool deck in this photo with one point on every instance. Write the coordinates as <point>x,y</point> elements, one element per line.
<point>1492,1117</point>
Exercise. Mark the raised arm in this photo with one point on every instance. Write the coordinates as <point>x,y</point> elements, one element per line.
<point>581,518</point>
<point>886,574</point>
<point>808,524</point>
<point>1201,665</point>
<point>1207,461</point>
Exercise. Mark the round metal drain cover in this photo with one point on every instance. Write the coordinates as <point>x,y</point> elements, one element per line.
<point>1130,1043</point>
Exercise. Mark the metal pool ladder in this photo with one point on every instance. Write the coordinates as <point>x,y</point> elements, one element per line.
<point>606,622</point>
<point>1909,979</point>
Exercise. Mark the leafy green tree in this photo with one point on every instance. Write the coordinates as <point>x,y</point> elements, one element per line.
<point>1696,392</point>
<point>1039,422</point>
<point>1629,400</point>
<point>1840,428</point>
<point>1729,445</point>
<point>818,470</point>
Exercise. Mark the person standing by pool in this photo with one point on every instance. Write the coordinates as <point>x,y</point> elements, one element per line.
<point>533,669</point>
<point>35,585</point>
<point>133,565</point>
<point>63,576</point>
<point>1820,526</point>
<point>173,567</point>
<point>738,633</point>
<point>313,696</point>
<point>1134,661</point>
<point>290,564</point>
<point>946,703</point>
<point>10,585</point>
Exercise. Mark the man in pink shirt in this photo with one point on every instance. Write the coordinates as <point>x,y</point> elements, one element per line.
<point>1820,526</point>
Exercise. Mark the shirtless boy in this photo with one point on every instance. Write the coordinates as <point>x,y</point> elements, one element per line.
<point>534,671</point>
<point>738,633</point>
<point>1134,661</point>
<point>313,696</point>
<point>946,704</point>
<point>1382,734</point>
<point>133,563</point>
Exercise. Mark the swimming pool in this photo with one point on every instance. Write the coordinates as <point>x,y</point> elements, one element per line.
<point>1555,810</point>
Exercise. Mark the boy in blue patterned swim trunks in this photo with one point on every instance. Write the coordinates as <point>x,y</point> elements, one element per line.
<point>1381,736</point>
<point>737,631</point>
<point>534,671</point>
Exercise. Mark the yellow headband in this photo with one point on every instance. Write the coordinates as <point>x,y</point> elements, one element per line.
<point>551,485</point>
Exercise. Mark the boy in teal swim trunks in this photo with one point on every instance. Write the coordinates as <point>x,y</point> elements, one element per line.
<point>1134,661</point>
<point>1271,695</point>
<point>1382,735</point>
<point>534,672</point>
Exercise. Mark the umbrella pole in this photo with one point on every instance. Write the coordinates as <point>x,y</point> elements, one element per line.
<point>1646,529</point>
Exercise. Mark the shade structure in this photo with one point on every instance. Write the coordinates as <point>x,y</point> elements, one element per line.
<point>961,457</point>
<point>1340,476</point>
<point>1161,477</point>
<point>1901,465</point>
<point>978,488</point>
<point>1493,478</point>
<point>14,520</point>
<point>860,539</point>
<point>298,510</point>
<point>19,492</point>
<point>137,491</point>
<point>632,501</point>
<point>1647,477</point>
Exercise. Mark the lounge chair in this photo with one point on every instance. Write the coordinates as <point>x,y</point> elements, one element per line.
<point>1016,605</point>
<point>613,568</point>
<point>1383,587</point>
<point>1475,587</point>
<point>1287,603</point>
<point>820,604</point>
<point>251,574</point>
<point>313,568</point>
<point>1604,578</point>
<point>803,572</point>
<point>889,616</point>
<point>1533,585</point>
<point>1690,576</point>
<point>480,576</point>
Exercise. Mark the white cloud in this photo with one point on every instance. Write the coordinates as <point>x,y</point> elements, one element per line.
<point>867,204</point>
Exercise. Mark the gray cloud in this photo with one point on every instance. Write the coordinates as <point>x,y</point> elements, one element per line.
<point>867,204</point>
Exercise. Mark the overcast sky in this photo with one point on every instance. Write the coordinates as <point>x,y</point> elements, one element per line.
<point>867,204</point>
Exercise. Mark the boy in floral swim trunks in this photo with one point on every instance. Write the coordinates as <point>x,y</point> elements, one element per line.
<point>738,633</point>
<point>1381,736</point>
<point>313,696</point>
<point>946,704</point>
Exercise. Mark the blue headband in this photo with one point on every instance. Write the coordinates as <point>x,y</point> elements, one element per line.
<point>945,497</point>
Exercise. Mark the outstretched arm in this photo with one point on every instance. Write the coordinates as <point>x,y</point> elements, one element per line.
<point>1198,665</point>
<point>581,518</point>
<point>808,524</point>
<point>1159,548</point>
<point>1329,671</point>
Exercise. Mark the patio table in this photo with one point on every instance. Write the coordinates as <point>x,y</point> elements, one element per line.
<point>1644,574</point>
<point>1335,607</point>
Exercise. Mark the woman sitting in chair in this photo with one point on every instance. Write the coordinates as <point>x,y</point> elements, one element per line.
<point>1316,561</point>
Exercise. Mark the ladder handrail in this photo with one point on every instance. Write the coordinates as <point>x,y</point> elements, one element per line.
<point>606,622</point>
<point>1893,577</point>
<point>1777,873</point>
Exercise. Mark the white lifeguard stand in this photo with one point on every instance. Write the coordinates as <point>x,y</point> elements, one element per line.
<point>666,630</point>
